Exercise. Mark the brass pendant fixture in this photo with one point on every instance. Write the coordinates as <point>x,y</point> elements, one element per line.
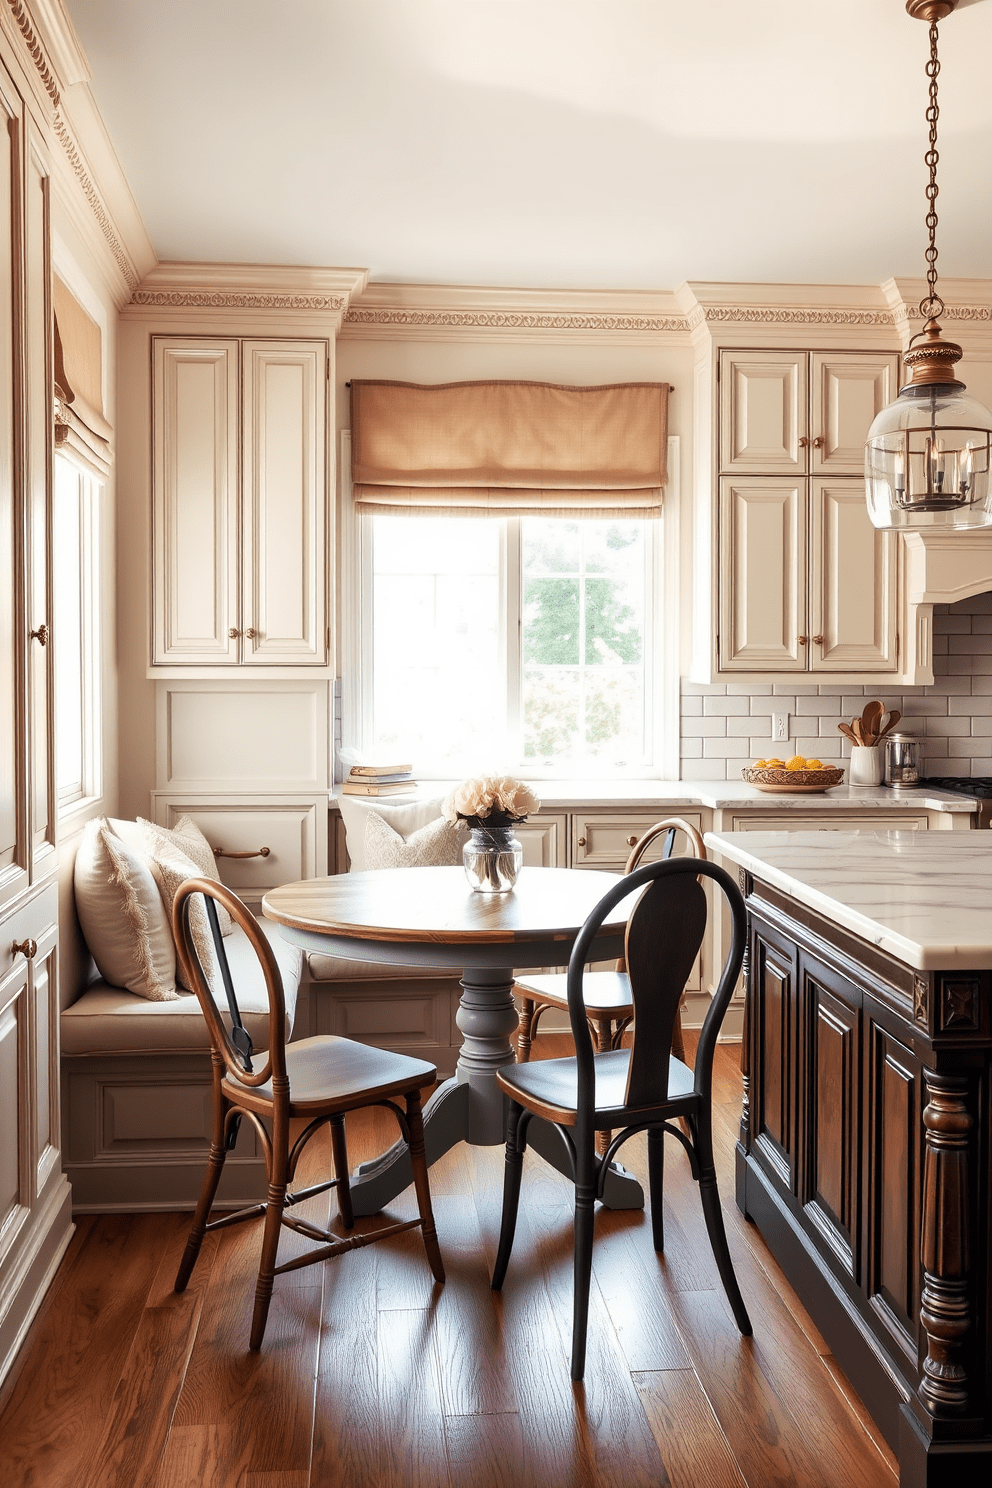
<point>927,456</point>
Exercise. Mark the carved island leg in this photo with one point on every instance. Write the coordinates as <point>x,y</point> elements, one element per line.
<point>945,1312</point>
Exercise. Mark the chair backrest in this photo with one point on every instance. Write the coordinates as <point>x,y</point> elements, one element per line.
<point>200,947</point>
<point>669,827</point>
<point>664,933</point>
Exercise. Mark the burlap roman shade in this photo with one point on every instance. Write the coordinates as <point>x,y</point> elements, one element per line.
<point>81,427</point>
<point>509,448</point>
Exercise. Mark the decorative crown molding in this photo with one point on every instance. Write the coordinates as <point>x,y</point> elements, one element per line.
<point>515,320</point>
<point>783,315</point>
<point>93,198</point>
<point>240,300</point>
<point>35,49</point>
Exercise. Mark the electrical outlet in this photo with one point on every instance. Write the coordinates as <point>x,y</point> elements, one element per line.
<point>780,725</point>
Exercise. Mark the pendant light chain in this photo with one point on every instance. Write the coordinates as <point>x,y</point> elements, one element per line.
<point>932,306</point>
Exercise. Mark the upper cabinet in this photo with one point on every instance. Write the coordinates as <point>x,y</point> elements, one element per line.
<point>806,584</point>
<point>240,502</point>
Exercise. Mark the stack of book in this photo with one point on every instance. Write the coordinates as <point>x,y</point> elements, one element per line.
<point>379,780</point>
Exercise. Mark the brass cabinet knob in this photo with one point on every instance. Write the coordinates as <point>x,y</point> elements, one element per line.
<point>251,633</point>
<point>802,640</point>
<point>817,640</point>
<point>803,441</point>
<point>818,442</point>
<point>41,635</point>
<point>27,948</point>
<point>581,842</point>
<point>631,841</point>
<point>233,634</point>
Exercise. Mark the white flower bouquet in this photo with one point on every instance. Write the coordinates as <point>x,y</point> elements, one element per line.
<point>490,805</point>
<point>489,801</point>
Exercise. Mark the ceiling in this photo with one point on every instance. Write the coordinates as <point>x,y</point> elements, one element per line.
<point>611,144</point>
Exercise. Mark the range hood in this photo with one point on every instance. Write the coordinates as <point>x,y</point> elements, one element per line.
<point>939,567</point>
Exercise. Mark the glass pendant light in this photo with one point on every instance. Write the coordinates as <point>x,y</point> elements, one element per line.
<point>927,454</point>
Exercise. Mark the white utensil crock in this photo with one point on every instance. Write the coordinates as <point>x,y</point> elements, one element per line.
<point>866,765</point>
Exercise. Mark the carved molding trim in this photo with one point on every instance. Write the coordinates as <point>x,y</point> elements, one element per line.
<point>974,313</point>
<point>93,198</point>
<point>237,300</point>
<point>921,998</point>
<point>35,49</point>
<point>517,320</point>
<point>945,1310</point>
<point>959,1003</point>
<point>775,315</point>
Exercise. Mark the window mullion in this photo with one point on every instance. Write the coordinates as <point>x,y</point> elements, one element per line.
<point>511,632</point>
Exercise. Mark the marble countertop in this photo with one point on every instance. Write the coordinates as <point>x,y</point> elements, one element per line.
<point>716,795</point>
<point>925,897</point>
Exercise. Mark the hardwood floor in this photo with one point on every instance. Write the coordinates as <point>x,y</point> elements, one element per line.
<point>371,1375</point>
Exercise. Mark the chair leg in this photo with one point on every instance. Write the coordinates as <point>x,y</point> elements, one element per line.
<point>267,1265</point>
<point>208,1192</point>
<point>418,1161</point>
<point>525,1028</point>
<point>339,1153</point>
<point>656,1185</point>
<point>511,1192</point>
<point>713,1215</point>
<point>583,1236</point>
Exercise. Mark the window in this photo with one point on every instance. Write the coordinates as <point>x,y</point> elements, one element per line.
<point>76,631</point>
<point>517,642</point>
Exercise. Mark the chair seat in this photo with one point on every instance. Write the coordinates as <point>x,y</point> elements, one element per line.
<point>553,1084</point>
<point>327,1072</point>
<point>605,993</point>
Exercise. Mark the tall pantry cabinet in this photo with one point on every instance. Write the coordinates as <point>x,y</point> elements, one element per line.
<point>35,1221</point>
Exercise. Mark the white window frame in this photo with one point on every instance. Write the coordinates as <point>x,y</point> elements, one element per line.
<point>661,632</point>
<point>81,794</point>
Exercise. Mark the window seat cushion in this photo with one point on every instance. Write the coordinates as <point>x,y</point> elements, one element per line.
<point>110,1020</point>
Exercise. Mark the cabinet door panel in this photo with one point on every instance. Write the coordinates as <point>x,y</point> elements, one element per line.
<point>15,1186</point>
<point>763,412</point>
<point>285,503</point>
<point>853,589</point>
<point>831,1102</point>
<point>763,576</point>
<point>772,993</point>
<point>195,571</point>
<point>293,832</point>
<point>543,841</point>
<point>14,850</point>
<point>38,472</point>
<point>45,1002</point>
<point>894,1197</point>
<point>849,389</point>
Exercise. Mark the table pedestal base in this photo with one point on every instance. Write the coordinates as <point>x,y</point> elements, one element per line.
<point>470,1107</point>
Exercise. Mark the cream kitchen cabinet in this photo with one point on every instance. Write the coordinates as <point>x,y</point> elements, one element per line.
<point>806,583</point>
<point>240,502</point>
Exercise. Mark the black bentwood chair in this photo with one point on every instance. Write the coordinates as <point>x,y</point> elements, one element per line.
<point>316,1079</point>
<point>643,1088</point>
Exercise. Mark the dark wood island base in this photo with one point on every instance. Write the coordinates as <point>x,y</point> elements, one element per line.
<point>864,1160</point>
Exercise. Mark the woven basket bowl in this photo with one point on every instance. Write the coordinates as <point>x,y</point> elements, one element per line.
<point>786,780</point>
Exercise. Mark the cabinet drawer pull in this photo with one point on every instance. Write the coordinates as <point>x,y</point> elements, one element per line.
<point>261,852</point>
<point>802,640</point>
<point>581,842</point>
<point>233,634</point>
<point>817,640</point>
<point>41,634</point>
<point>27,948</point>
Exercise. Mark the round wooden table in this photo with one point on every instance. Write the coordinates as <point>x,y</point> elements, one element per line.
<point>430,917</point>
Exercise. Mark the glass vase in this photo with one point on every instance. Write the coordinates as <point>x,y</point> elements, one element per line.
<point>493,858</point>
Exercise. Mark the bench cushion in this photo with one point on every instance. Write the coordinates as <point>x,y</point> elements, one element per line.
<point>109,1020</point>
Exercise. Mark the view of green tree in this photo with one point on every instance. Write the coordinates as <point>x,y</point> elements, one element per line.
<point>551,622</point>
<point>612,631</point>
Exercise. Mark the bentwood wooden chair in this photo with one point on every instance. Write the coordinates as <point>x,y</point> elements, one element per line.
<point>316,1080</point>
<point>641,1089</point>
<point>606,993</point>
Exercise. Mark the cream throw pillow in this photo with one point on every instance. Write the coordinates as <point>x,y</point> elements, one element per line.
<point>171,868</point>
<point>404,820</point>
<point>433,846</point>
<point>187,839</point>
<point>122,916</point>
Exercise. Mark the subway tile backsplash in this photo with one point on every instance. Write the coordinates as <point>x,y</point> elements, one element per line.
<point>728,725</point>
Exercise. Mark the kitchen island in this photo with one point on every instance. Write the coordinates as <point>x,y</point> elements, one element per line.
<point>864,1155</point>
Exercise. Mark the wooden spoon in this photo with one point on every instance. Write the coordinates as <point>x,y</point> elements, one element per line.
<point>848,732</point>
<point>871,718</point>
<point>891,722</point>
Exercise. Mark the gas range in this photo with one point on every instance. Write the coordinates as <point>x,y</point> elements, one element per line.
<point>977,786</point>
